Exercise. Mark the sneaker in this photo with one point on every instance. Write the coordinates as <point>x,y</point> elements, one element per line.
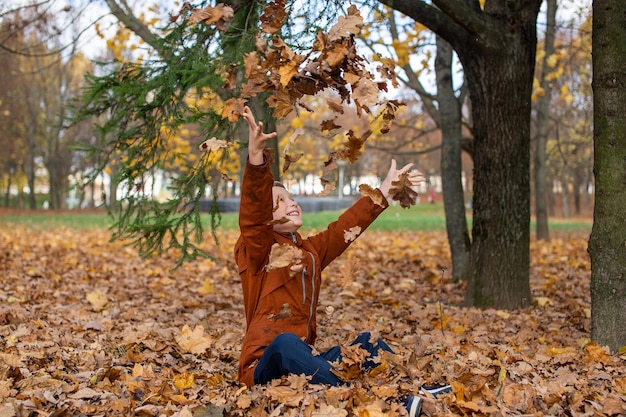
<point>435,391</point>
<point>413,406</point>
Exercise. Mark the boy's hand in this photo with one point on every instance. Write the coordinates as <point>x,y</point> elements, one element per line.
<point>415,177</point>
<point>256,138</point>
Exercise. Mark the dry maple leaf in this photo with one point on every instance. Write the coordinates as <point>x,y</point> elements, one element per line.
<point>213,144</point>
<point>290,159</point>
<point>283,255</point>
<point>233,108</point>
<point>401,191</point>
<point>350,366</point>
<point>193,341</point>
<point>272,17</point>
<point>365,92</point>
<point>329,124</point>
<point>97,299</point>
<point>354,146</point>
<point>346,26</point>
<point>282,220</point>
<point>281,102</point>
<point>372,193</point>
<point>328,188</point>
<point>219,15</point>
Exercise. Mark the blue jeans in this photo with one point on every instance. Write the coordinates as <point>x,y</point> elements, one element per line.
<point>288,354</point>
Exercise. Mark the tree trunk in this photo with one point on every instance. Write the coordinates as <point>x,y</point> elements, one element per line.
<point>496,45</point>
<point>500,88</point>
<point>606,244</point>
<point>451,166</point>
<point>543,117</point>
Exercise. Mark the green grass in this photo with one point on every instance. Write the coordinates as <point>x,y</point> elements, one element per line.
<point>424,217</point>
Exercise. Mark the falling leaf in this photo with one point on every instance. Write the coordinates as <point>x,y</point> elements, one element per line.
<point>328,125</point>
<point>354,146</point>
<point>290,159</point>
<point>233,108</point>
<point>272,16</point>
<point>193,341</point>
<point>283,255</point>
<point>366,92</point>
<point>219,15</point>
<point>374,194</point>
<point>213,144</point>
<point>401,191</point>
<point>346,26</point>
<point>281,102</point>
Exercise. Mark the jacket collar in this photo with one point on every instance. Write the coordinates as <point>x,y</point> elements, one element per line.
<point>290,237</point>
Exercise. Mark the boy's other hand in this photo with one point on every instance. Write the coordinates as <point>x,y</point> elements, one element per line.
<point>256,138</point>
<point>415,177</point>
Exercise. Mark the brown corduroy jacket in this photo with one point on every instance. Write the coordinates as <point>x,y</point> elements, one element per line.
<point>279,300</point>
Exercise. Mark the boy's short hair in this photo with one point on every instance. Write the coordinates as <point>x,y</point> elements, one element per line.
<point>279,184</point>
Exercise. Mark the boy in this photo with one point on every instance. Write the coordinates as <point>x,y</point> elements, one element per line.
<point>280,304</point>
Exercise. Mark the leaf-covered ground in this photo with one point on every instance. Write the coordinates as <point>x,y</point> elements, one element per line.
<point>88,328</point>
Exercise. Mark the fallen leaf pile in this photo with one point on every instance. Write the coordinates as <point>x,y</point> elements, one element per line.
<point>88,328</point>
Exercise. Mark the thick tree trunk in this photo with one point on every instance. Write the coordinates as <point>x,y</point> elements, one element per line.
<point>606,244</point>
<point>500,85</point>
<point>496,45</point>
<point>543,109</point>
<point>450,123</point>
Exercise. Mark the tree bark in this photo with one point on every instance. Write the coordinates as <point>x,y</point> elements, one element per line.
<point>497,49</point>
<point>607,247</point>
<point>450,123</point>
<point>543,127</point>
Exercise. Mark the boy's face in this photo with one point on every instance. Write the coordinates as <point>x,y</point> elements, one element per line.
<point>285,208</point>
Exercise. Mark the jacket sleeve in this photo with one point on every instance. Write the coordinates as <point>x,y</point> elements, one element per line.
<point>341,233</point>
<point>255,215</point>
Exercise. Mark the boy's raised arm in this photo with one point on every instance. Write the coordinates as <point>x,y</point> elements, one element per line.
<point>256,138</point>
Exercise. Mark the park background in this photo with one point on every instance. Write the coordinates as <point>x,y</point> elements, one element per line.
<point>99,326</point>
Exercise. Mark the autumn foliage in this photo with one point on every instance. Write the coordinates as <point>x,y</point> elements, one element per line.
<point>87,327</point>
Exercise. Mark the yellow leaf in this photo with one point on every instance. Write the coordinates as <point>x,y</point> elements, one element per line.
<point>98,299</point>
<point>543,301</point>
<point>502,374</point>
<point>458,329</point>
<point>554,351</point>
<point>184,380</point>
<point>193,341</point>
<point>503,314</point>
<point>208,287</point>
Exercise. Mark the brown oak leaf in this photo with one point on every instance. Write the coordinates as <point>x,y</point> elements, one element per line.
<point>272,17</point>
<point>219,15</point>
<point>290,159</point>
<point>401,191</point>
<point>372,193</point>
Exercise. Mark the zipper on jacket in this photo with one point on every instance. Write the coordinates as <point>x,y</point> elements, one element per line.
<point>308,323</point>
<point>303,285</point>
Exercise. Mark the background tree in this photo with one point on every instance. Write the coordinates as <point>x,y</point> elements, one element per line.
<point>606,244</point>
<point>496,46</point>
<point>542,123</point>
<point>444,106</point>
<point>42,77</point>
<point>570,147</point>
